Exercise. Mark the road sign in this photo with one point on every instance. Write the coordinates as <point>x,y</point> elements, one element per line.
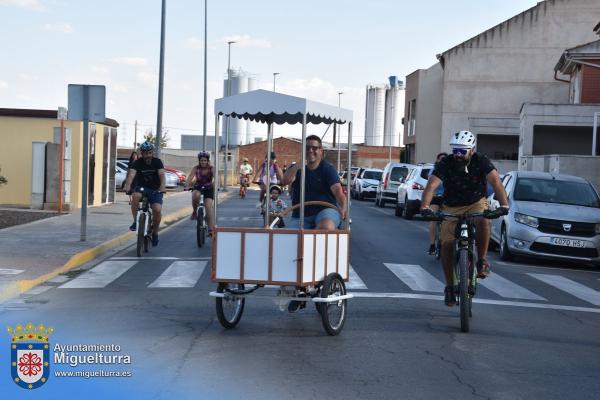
<point>96,103</point>
<point>62,113</point>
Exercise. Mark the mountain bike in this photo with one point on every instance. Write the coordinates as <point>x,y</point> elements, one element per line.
<point>437,241</point>
<point>465,273</point>
<point>243,185</point>
<point>144,223</point>
<point>201,225</point>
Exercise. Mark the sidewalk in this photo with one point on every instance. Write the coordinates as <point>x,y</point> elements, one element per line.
<point>34,253</point>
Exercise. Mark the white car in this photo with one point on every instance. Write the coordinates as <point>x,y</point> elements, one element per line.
<point>411,189</point>
<point>365,184</point>
<point>387,190</point>
<point>171,179</point>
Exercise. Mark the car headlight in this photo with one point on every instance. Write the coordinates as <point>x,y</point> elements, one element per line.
<point>527,220</point>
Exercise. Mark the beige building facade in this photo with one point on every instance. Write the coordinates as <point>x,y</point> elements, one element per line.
<point>30,141</point>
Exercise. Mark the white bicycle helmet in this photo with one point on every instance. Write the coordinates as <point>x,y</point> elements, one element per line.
<point>463,139</point>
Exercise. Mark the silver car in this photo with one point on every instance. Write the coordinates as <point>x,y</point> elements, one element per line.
<point>551,216</point>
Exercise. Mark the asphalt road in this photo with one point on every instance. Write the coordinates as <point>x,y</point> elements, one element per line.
<point>534,332</point>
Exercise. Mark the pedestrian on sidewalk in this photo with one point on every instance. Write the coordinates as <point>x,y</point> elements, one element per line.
<point>149,175</point>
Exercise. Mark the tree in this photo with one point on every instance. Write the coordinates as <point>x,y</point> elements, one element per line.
<point>3,180</point>
<point>164,140</point>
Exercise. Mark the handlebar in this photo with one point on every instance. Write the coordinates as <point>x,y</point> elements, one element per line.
<point>441,215</point>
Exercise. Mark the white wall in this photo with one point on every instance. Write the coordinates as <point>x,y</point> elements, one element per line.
<point>493,74</point>
<point>428,118</point>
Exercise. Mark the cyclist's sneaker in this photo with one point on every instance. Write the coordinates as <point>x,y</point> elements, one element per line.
<point>431,250</point>
<point>133,226</point>
<point>483,268</point>
<point>295,305</point>
<point>193,217</point>
<point>449,296</point>
<point>155,239</point>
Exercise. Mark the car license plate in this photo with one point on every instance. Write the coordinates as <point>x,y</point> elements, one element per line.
<point>567,242</point>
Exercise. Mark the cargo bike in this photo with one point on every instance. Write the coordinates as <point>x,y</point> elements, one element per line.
<point>306,265</point>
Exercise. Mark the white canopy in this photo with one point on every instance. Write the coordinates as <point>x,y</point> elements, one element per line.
<point>267,106</point>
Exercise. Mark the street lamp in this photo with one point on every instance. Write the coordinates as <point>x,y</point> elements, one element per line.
<point>227,119</point>
<point>205,79</point>
<point>339,137</point>
<point>274,76</point>
<point>161,75</point>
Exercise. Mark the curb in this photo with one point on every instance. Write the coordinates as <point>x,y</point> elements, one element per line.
<point>16,288</point>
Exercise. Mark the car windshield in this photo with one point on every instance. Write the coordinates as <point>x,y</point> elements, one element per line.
<point>555,191</point>
<point>372,175</point>
<point>398,173</point>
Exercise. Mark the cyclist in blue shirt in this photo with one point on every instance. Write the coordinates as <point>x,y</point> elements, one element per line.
<point>436,203</point>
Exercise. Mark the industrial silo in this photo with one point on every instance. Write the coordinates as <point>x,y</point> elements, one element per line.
<point>251,126</point>
<point>394,111</point>
<point>374,115</point>
<point>237,126</point>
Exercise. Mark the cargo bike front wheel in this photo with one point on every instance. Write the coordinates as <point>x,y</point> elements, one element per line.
<point>230,307</point>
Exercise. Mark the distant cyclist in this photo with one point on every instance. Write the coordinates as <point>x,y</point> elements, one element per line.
<point>245,172</point>
<point>149,174</point>
<point>275,173</point>
<point>465,174</point>
<point>436,203</point>
<point>203,177</point>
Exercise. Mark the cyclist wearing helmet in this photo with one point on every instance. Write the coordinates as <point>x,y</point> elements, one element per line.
<point>149,175</point>
<point>464,174</point>
<point>245,172</point>
<point>203,177</point>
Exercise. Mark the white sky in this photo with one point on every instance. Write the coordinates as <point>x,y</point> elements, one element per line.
<point>319,48</point>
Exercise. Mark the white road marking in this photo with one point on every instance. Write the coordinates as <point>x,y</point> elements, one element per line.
<point>508,289</point>
<point>475,300</point>
<point>10,271</point>
<point>180,274</point>
<point>100,276</point>
<point>160,258</point>
<point>416,278</point>
<point>573,288</point>
<point>355,282</point>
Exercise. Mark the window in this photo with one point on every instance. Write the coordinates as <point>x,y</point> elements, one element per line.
<point>412,116</point>
<point>398,173</point>
<point>425,173</point>
<point>376,175</point>
<point>555,191</point>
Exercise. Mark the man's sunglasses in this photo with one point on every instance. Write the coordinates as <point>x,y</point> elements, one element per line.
<point>313,148</point>
<point>460,152</point>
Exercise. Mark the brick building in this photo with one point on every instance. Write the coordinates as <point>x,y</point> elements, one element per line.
<point>289,149</point>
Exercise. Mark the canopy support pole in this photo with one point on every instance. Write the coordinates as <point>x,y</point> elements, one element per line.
<point>348,175</point>
<point>267,198</point>
<point>303,172</point>
<point>217,183</point>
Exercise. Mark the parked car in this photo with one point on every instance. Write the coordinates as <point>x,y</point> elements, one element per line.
<point>180,174</point>
<point>343,174</point>
<point>171,180</point>
<point>392,175</point>
<point>120,177</point>
<point>365,184</point>
<point>551,216</point>
<point>411,189</point>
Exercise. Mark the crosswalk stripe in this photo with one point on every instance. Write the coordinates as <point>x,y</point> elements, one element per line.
<point>508,289</point>
<point>573,288</point>
<point>416,278</point>
<point>180,274</point>
<point>100,276</point>
<point>354,281</point>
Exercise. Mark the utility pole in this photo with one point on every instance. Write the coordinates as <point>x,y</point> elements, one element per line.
<point>274,76</point>
<point>339,144</point>
<point>161,76</point>
<point>205,46</point>
<point>227,118</point>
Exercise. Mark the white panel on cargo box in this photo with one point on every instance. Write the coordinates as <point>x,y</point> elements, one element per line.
<point>331,254</point>
<point>285,256</point>
<point>256,256</point>
<point>228,255</point>
<point>309,245</point>
<point>320,258</point>
<point>343,256</point>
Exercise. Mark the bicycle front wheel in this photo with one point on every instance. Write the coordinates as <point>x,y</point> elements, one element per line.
<point>200,229</point>
<point>229,308</point>
<point>141,228</point>
<point>463,289</point>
